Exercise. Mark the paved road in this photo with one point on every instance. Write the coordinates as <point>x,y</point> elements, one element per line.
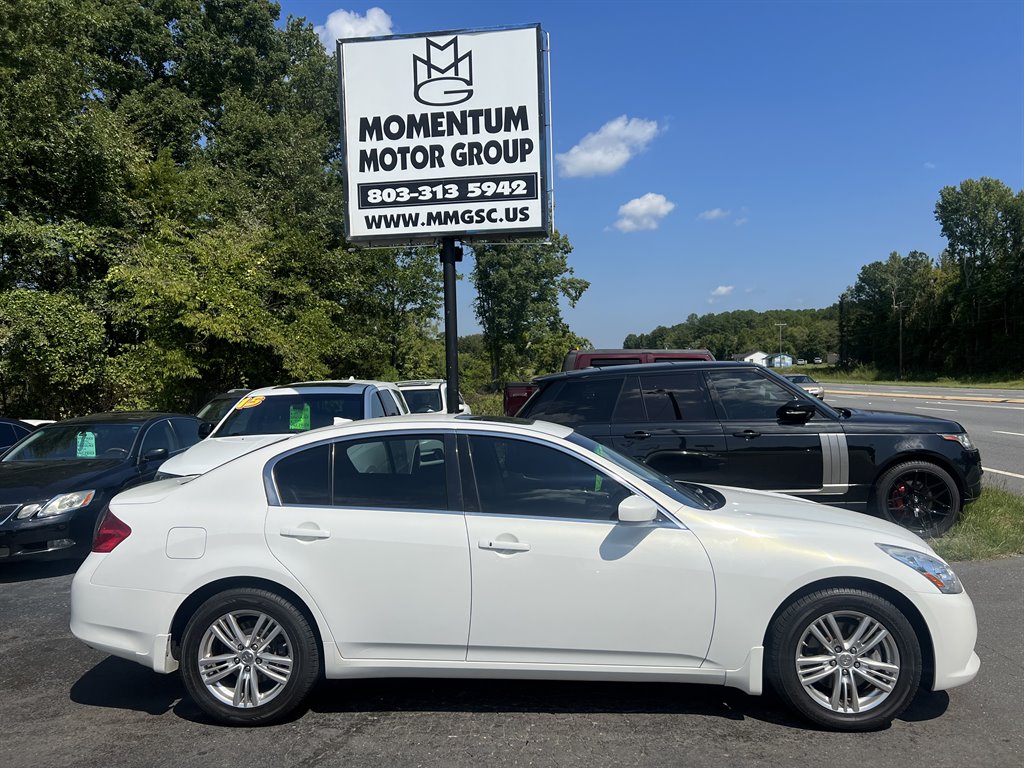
<point>63,704</point>
<point>994,419</point>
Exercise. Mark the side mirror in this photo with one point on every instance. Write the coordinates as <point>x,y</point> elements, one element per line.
<point>205,428</point>
<point>637,509</point>
<point>157,454</point>
<point>795,412</point>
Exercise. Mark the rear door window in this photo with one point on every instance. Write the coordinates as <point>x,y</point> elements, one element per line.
<point>676,397</point>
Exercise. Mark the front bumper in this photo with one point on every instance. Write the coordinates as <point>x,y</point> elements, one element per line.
<point>132,624</point>
<point>68,535</point>
<point>954,631</point>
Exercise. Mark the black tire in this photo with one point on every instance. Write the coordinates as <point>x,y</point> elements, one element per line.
<point>823,690</point>
<point>271,680</point>
<point>919,496</point>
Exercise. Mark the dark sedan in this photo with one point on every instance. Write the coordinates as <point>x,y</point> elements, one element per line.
<point>55,482</point>
<point>11,431</point>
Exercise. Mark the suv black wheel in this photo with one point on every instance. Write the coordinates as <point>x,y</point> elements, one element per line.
<point>249,657</point>
<point>919,496</point>
<point>844,658</point>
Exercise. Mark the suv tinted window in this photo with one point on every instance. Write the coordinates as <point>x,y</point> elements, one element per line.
<point>396,472</point>
<point>187,432</point>
<point>517,477</point>
<point>575,401</point>
<point>746,394</point>
<point>676,397</point>
<point>599,362</point>
<point>390,406</point>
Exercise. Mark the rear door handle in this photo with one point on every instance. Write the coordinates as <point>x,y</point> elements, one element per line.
<point>506,546</point>
<point>639,435</point>
<point>305,533</point>
<point>747,434</point>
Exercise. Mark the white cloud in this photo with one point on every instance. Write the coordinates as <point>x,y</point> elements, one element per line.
<point>643,212</point>
<point>930,165</point>
<point>720,292</point>
<point>713,214</point>
<point>611,147</point>
<point>341,24</point>
<point>741,221</point>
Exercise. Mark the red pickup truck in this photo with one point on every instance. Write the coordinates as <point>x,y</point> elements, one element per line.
<point>518,392</point>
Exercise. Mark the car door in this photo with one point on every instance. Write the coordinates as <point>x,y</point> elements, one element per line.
<point>769,453</point>
<point>668,421</point>
<point>366,525</point>
<point>558,580</point>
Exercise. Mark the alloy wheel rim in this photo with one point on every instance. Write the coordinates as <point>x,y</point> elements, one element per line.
<point>919,501</point>
<point>245,659</point>
<point>847,662</point>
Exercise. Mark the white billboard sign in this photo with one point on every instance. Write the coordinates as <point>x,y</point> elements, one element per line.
<point>444,135</point>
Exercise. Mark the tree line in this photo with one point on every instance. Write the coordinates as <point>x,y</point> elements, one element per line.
<point>171,220</point>
<point>960,313</point>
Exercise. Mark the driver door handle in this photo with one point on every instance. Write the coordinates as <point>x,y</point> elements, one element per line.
<point>639,435</point>
<point>747,434</point>
<point>504,546</point>
<point>305,533</point>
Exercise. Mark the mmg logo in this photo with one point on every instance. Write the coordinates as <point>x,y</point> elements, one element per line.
<point>443,78</point>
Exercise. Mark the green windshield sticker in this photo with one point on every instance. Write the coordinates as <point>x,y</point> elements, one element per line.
<point>598,479</point>
<point>298,417</point>
<point>85,445</point>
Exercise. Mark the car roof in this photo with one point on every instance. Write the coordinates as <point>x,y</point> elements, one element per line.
<point>457,421</point>
<point>18,422</point>
<point>123,417</point>
<point>419,383</point>
<point>320,387</point>
<point>669,365</point>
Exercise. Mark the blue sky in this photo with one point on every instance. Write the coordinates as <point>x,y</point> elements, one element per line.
<point>746,155</point>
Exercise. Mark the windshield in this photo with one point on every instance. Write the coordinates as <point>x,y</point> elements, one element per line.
<point>691,496</point>
<point>801,379</point>
<point>423,400</point>
<point>288,414</point>
<point>77,441</point>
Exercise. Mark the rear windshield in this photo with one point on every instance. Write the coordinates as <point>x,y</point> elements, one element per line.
<point>423,400</point>
<point>288,414</point>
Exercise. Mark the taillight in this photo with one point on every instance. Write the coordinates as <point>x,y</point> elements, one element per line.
<point>111,532</point>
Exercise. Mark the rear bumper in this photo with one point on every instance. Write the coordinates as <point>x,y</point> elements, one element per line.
<point>132,624</point>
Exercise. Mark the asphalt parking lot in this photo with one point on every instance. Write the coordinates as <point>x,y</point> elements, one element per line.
<point>62,703</point>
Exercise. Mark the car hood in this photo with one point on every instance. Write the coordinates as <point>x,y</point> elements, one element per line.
<point>885,421</point>
<point>22,481</point>
<point>214,451</point>
<point>763,513</point>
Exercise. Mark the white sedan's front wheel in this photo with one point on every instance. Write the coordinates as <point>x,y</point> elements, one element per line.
<point>845,658</point>
<point>249,657</point>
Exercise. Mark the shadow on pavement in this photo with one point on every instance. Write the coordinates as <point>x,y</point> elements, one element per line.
<point>29,570</point>
<point>120,684</point>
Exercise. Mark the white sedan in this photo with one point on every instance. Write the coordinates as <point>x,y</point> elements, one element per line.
<point>455,546</point>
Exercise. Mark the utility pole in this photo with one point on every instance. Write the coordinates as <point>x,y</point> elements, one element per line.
<point>899,308</point>
<point>781,326</point>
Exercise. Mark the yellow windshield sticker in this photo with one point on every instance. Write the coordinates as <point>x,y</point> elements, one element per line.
<point>85,445</point>
<point>249,402</point>
<point>298,417</point>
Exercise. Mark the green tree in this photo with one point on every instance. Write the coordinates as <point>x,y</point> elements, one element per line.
<point>51,355</point>
<point>519,286</point>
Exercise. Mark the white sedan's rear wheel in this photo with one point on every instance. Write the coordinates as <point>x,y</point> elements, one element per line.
<point>249,657</point>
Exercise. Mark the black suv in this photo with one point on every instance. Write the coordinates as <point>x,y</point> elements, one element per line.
<point>744,425</point>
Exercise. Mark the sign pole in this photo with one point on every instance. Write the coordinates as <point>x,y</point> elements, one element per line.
<point>450,253</point>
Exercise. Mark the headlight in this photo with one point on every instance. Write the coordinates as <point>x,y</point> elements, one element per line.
<point>933,569</point>
<point>961,437</point>
<point>58,505</point>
